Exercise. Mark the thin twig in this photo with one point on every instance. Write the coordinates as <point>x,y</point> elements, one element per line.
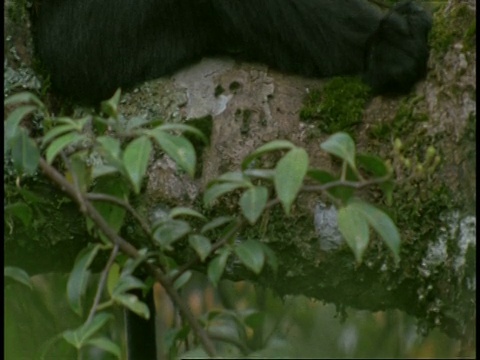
<point>112,199</point>
<point>131,251</point>
<point>351,184</point>
<point>102,282</point>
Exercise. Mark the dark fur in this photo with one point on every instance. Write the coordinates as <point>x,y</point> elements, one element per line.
<point>91,47</point>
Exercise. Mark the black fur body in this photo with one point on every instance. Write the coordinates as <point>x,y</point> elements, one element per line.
<point>91,47</point>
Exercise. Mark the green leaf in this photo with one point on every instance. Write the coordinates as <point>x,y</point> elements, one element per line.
<point>110,106</point>
<point>171,231</point>
<point>218,189</point>
<point>110,147</point>
<point>61,143</point>
<point>23,97</point>
<point>266,174</point>
<point>81,335</point>
<point>79,168</point>
<point>113,214</point>
<point>182,280</point>
<point>382,224</point>
<point>268,147</point>
<point>99,170</point>
<point>77,281</point>
<point>11,125</point>
<point>20,210</point>
<point>67,121</point>
<point>354,228</point>
<point>251,255</point>
<point>387,188</point>
<point>56,131</point>
<point>253,203</point>
<point>17,274</point>
<point>184,211</point>
<point>232,177</point>
<point>289,174</point>
<point>201,245</point>
<point>127,283</point>
<point>25,153</point>
<point>270,256</point>
<point>217,266</point>
<point>131,264</point>
<point>113,277</point>
<point>106,345</point>
<point>372,164</point>
<point>341,145</point>
<point>178,148</point>
<point>132,303</point>
<point>218,221</point>
<point>135,160</point>
<point>136,122</point>
<point>184,128</point>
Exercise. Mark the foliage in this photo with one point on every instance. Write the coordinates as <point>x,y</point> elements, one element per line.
<point>100,162</point>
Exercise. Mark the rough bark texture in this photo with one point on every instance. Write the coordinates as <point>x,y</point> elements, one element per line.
<point>248,105</point>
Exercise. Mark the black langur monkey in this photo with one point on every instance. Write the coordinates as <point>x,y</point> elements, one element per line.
<point>92,47</point>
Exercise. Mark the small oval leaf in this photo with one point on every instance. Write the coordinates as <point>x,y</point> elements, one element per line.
<point>289,174</point>
<point>77,281</point>
<point>354,228</point>
<point>113,277</point>
<point>218,189</point>
<point>61,143</point>
<point>171,231</point>
<point>21,211</point>
<point>217,266</point>
<point>23,97</point>
<point>25,153</point>
<point>178,148</point>
<point>184,128</point>
<point>251,255</point>
<point>81,335</point>
<point>135,160</point>
<point>201,245</point>
<point>382,224</point>
<point>216,222</point>
<point>12,123</point>
<point>127,283</point>
<point>268,147</point>
<point>56,131</point>
<point>253,202</point>
<point>106,345</point>
<point>110,146</point>
<point>341,145</point>
<point>185,211</point>
<point>17,274</point>
<point>182,280</point>
<point>132,303</point>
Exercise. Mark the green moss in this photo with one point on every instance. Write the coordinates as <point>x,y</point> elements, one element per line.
<point>234,86</point>
<point>450,28</point>
<point>244,116</point>
<point>205,125</point>
<point>219,90</point>
<point>403,125</point>
<point>17,10</point>
<point>338,106</point>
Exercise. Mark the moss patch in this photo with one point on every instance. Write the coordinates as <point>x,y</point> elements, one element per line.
<point>338,106</point>
<point>404,125</point>
<point>450,28</point>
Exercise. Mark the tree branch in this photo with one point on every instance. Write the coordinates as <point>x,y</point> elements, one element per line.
<point>89,210</point>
